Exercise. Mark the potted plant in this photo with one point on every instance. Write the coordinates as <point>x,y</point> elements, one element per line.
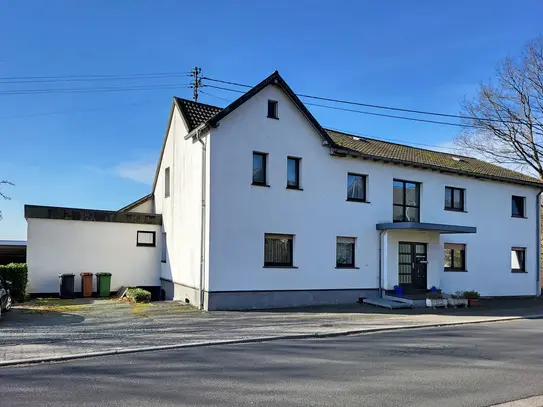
<point>435,299</point>
<point>472,297</point>
<point>458,300</point>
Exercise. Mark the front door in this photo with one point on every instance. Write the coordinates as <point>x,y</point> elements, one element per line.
<point>412,265</point>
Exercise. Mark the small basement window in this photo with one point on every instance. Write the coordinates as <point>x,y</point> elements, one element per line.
<point>272,109</point>
<point>146,238</point>
<point>518,260</point>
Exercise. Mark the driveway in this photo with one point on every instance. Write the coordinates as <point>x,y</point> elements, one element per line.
<point>57,328</point>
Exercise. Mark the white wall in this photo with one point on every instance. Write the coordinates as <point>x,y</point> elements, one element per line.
<point>68,246</point>
<point>241,213</point>
<point>144,207</point>
<point>181,212</point>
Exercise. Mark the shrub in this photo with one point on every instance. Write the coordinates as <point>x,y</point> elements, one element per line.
<point>471,295</point>
<point>138,295</point>
<point>17,274</point>
<point>435,296</point>
<point>458,294</point>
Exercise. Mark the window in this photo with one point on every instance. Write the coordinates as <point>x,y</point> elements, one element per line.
<point>167,182</point>
<point>356,187</point>
<point>406,201</point>
<point>259,168</point>
<point>455,257</point>
<point>345,248</point>
<point>454,199</point>
<point>278,250</point>
<point>145,238</point>
<point>518,260</point>
<point>293,173</point>
<point>517,204</point>
<point>164,256</point>
<point>272,109</point>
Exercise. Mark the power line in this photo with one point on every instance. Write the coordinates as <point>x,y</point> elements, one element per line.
<point>62,78</point>
<point>92,109</point>
<point>226,82</point>
<point>349,132</point>
<point>365,112</point>
<point>398,109</point>
<point>390,115</point>
<point>94,90</point>
<point>215,96</point>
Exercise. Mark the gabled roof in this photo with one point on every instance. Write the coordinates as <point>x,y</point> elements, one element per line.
<point>274,79</point>
<point>195,113</point>
<point>400,153</point>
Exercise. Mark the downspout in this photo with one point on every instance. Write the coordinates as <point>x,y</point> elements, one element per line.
<point>203,221</point>
<point>538,243</point>
<point>381,263</point>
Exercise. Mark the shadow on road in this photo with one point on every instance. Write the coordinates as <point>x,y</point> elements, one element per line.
<point>37,318</point>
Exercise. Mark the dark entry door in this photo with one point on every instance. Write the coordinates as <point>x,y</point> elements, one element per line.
<point>412,265</point>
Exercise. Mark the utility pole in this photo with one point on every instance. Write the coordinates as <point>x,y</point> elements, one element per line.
<point>197,82</point>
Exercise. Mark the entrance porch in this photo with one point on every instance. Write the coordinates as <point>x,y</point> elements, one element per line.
<point>411,255</point>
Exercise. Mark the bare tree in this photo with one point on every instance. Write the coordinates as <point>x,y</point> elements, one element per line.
<point>506,118</point>
<point>3,195</point>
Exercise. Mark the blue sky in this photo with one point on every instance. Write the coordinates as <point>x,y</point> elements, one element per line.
<point>101,152</point>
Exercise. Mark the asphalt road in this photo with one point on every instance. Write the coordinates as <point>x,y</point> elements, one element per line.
<point>475,365</point>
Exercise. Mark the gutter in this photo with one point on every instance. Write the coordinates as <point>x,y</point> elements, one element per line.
<point>196,132</point>
<point>538,243</point>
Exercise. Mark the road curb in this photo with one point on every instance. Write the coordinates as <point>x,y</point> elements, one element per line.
<point>61,358</point>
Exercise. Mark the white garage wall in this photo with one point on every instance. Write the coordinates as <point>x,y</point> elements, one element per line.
<point>67,246</point>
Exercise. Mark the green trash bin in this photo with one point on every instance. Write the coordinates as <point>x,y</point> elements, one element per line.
<point>103,284</point>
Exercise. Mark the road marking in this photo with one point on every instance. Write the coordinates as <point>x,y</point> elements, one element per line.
<point>536,401</point>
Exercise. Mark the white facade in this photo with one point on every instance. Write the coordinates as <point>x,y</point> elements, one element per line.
<point>182,210</point>
<point>242,213</point>
<point>57,246</point>
<point>214,221</point>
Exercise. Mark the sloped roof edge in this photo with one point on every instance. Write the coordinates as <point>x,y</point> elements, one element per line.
<point>132,205</point>
<point>274,79</point>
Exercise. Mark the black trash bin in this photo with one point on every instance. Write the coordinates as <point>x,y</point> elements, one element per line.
<point>67,283</point>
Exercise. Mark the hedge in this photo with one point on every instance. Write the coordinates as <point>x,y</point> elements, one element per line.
<point>17,273</point>
<point>138,295</point>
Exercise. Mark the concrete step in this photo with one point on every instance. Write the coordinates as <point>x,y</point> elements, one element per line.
<point>385,303</point>
<point>412,303</point>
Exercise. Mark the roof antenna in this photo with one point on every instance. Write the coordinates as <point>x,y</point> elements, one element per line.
<point>196,81</point>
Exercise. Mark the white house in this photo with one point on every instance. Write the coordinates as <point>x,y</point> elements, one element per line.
<point>261,207</point>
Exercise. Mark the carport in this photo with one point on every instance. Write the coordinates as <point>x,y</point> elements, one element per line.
<point>12,251</point>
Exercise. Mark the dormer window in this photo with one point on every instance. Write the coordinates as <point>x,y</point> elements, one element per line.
<point>272,109</point>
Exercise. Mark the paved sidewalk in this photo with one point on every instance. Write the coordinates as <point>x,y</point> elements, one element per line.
<point>84,326</point>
